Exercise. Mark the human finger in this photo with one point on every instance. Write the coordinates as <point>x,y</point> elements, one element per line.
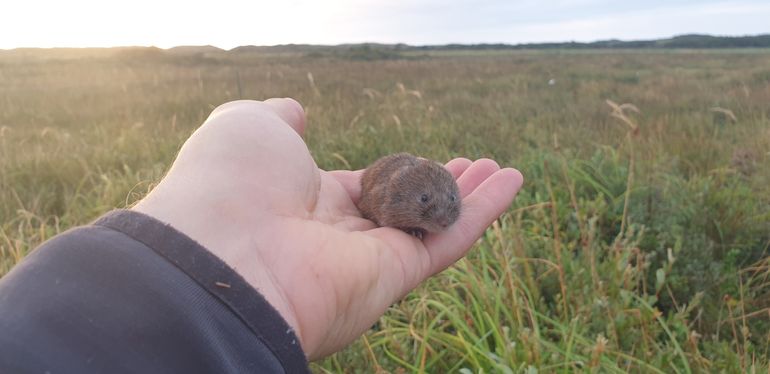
<point>457,166</point>
<point>247,111</point>
<point>290,111</point>
<point>475,174</point>
<point>350,181</point>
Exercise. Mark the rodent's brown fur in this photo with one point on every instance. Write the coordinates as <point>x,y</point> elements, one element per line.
<point>393,189</point>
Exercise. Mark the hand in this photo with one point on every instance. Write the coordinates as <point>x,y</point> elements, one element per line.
<point>245,187</point>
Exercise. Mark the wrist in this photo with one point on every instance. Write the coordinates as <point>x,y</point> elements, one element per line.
<point>224,239</point>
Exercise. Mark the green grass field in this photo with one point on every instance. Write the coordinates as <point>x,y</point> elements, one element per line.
<point>639,242</point>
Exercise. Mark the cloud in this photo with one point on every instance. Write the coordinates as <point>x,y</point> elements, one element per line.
<point>660,22</point>
<point>566,20</point>
<point>237,22</point>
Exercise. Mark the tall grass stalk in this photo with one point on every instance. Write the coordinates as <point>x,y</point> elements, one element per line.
<point>638,248</point>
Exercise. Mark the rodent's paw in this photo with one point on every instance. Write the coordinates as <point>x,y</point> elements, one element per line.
<point>417,233</point>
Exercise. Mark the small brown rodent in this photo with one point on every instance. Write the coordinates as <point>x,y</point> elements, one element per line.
<point>413,194</point>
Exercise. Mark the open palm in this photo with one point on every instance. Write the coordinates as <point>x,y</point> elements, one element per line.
<point>246,187</point>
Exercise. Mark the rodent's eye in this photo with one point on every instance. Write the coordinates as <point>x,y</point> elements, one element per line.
<point>452,197</point>
<point>424,198</point>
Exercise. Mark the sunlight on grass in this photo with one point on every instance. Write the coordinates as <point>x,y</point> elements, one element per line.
<point>638,243</point>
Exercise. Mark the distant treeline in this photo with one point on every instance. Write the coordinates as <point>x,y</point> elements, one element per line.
<point>371,51</point>
<point>682,41</point>
<point>376,51</point>
<point>366,50</point>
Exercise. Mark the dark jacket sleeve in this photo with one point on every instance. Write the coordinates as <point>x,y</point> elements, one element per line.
<point>129,294</point>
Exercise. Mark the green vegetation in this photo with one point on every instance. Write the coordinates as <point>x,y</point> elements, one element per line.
<point>639,242</point>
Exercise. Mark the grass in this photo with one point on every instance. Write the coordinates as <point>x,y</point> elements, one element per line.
<point>638,243</point>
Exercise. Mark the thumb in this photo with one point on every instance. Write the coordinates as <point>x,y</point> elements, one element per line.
<point>290,111</point>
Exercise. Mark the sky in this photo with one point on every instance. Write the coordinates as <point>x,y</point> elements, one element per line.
<point>230,23</point>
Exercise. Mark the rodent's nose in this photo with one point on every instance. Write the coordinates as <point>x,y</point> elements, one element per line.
<point>444,222</point>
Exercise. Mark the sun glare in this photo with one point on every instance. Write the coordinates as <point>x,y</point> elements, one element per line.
<point>228,24</point>
<point>84,23</point>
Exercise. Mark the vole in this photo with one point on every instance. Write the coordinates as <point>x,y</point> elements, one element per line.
<point>409,193</point>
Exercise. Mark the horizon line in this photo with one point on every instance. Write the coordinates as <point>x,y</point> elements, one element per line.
<point>407,44</point>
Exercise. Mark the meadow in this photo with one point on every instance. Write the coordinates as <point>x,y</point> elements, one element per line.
<point>639,242</point>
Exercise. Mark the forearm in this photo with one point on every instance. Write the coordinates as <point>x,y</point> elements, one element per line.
<point>130,294</point>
